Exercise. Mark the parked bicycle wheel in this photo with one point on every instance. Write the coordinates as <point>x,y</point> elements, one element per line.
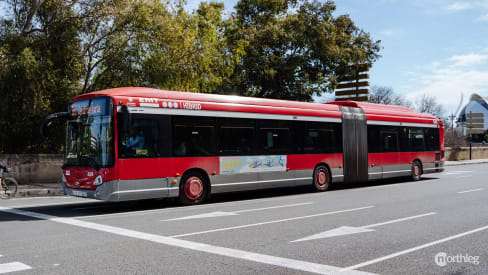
<point>9,188</point>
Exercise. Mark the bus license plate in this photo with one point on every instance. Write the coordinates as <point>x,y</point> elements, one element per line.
<point>78,193</point>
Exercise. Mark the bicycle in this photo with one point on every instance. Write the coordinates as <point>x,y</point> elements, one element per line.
<point>9,185</point>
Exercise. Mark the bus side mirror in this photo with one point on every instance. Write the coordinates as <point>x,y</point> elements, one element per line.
<point>126,119</point>
<point>48,121</point>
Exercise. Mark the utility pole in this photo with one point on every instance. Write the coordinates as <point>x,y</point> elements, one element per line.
<point>452,117</point>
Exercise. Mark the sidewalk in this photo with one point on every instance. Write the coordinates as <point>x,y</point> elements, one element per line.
<point>55,189</point>
<point>465,162</point>
<point>39,190</point>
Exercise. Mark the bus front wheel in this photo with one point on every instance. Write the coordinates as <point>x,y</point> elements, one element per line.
<point>321,178</point>
<point>193,189</point>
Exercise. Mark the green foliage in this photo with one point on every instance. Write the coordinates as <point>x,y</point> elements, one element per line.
<point>52,50</point>
<point>39,73</point>
<point>167,48</point>
<point>296,54</point>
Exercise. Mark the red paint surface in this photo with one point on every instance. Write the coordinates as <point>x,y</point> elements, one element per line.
<point>130,169</point>
<point>380,159</point>
<point>304,162</point>
<point>80,175</point>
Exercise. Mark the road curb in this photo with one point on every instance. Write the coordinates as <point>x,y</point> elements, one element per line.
<point>465,163</point>
<point>41,192</point>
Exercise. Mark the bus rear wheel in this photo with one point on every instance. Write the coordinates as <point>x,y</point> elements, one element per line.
<point>416,171</point>
<point>321,178</point>
<point>193,189</point>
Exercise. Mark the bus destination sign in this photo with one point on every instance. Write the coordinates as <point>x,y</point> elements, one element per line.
<point>94,107</point>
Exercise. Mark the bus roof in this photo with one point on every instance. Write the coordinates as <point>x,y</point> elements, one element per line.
<point>384,112</point>
<point>135,96</point>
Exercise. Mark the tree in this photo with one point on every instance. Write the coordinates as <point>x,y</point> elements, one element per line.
<point>40,65</point>
<point>382,95</point>
<point>295,49</point>
<point>423,104</point>
<point>386,95</point>
<point>164,46</point>
<point>428,104</point>
<point>52,50</point>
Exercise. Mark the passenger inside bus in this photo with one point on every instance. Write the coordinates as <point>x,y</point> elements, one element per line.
<point>136,140</point>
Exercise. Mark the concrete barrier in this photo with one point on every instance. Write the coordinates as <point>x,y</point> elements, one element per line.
<point>34,168</point>
<point>462,153</point>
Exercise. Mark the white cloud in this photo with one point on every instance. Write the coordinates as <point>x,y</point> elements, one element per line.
<point>447,81</point>
<point>459,6</point>
<point>468,60</point>
<point>389,32</point>
<point>483,18</point>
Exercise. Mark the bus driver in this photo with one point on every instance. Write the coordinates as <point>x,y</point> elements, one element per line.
<point>135,141</point>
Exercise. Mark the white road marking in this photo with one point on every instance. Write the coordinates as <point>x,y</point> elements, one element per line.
<point>272,207</point>
<point>12,267</point>
<point>189,208</point>
<point>46,204</point>
<point>216,250</point>
<point>455,172</point>
<point>393,255</point>
<point>204,215</point>
<point>468,191</point>
<point>270,222</point>
<point>94,207</point>
<point>233,213</point>
<point>400,220</point>
<point>468,176</point>
<point>348,230</point>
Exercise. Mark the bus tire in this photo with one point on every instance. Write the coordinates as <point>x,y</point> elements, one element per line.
<point>416,170</point>
<point>321,178</point>
<point>194,188</point>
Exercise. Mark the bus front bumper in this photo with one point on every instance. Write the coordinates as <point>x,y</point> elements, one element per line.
<point>125,190</point>
<point>107,192</point>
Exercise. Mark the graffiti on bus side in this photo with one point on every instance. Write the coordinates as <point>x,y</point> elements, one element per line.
<point>246,164</point>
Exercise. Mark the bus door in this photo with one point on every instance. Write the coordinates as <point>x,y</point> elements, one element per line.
<point>355,144</point>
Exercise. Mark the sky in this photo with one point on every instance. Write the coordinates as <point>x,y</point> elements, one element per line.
<point>433,47</point>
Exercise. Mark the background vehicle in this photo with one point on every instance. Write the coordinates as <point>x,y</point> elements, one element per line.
<point>9,185</point>
<point>198,144</point>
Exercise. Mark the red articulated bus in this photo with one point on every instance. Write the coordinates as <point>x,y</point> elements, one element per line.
<point>140,143</point>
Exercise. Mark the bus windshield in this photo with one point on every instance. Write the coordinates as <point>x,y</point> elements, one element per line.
<point>90,134</point>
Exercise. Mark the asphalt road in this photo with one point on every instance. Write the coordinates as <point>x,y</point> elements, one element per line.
<point>438,225</point>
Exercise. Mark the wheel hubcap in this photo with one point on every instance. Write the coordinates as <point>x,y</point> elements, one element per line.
<point>416,170</point>
<point>321,178</point>
<point>193,188</point>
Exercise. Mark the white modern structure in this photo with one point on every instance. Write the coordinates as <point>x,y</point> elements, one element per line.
<point>477,105</point>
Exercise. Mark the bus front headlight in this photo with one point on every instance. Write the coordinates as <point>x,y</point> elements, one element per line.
<point>98,180</point>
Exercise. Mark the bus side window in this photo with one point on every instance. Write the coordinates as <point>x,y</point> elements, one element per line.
<point>320,138</point>
<point>374,141</point>
<point>390,141</point>
<point>274,137</point>
<point>416,138</point>
<point>237,136</point>
<point>141,140</point>
<point>194,136</point>
<point>432,139</point>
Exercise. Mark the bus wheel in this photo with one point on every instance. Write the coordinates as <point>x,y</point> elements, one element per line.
<point>193,189</point>
<point>321,178</point>
<point>416,171</point>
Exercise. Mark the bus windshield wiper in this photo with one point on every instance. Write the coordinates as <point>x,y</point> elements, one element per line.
<point>90,159</point>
